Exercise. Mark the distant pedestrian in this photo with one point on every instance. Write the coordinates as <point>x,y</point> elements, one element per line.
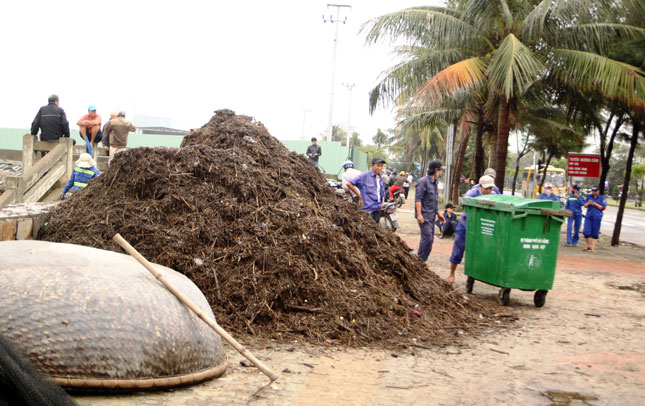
<point>349,174</point>
<point>574,204</point>
<point>548,193</point>
<point>370,189</point>
<point>486,186</point>
<point>426,208</point>
<point>119,129</point>
<point>314,151</point>
<point>406,184</point>
<point>106,134</point>
<point>595,205</point>
<point>84,171</point>
<point>450,226</point>
<point>51,121</point>
<point>89,127</point>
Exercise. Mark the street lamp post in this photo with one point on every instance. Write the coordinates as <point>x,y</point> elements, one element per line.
<point>333,63</point>
<point>350,87</point>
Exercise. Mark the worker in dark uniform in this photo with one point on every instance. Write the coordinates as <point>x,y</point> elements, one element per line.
<point>450,226</point>
<point>595,205</point>
<point>574,205</point>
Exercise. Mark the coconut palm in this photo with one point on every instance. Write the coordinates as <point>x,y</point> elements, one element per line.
<point>509,45</point>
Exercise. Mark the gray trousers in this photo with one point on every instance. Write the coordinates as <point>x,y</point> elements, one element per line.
<point>427,238</point>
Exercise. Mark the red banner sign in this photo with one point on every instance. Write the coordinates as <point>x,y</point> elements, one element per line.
<point>584,165</point>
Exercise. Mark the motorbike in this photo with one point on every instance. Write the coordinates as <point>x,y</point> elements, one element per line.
<point>338,189</point>
<point>389,217</point>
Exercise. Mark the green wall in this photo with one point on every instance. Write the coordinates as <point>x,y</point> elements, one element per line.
<point>333,155</point>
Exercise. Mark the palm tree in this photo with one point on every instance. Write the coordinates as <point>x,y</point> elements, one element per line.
<point>509,45</point>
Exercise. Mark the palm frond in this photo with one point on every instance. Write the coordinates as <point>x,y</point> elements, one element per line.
<point>513,67</point>
<point>461,75</point>
<point>590,71</point>
<point>598,37</point>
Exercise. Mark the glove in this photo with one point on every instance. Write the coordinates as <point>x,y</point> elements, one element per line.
<point>62,196</point>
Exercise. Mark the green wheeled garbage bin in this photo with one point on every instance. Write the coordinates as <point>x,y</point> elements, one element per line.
<point>512,242</point>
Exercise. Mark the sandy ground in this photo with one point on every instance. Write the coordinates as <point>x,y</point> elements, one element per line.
<point>584,347</point>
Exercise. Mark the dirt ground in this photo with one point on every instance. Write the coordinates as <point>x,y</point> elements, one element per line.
<point>584,347</point>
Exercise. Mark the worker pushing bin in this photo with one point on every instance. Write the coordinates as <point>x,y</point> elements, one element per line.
<point>512,242</point>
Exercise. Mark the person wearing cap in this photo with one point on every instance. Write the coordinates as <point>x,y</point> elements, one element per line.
<point>84,171</point>
<point>370,189</point>
<point>486,186</point>
<point>574,204</point>
<point>491,172</point>
<point>595,205</point>
<point>90,126</point>
<point>426,208</point>
<point>349,174</point>
<point>118,129</point>
<point>548,193</point>
<point>314,151</point>
<point>448,228</point>
<point>51,121</point>
<point>407,183</point>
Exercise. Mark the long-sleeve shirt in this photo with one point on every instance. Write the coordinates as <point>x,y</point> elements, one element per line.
<point>544,196</point>
<point>80,178</point>
<point>372,190</point>
<point>475,192</point>
<point>118,130</point>
<point>427,193</point>
<point>592,211</point>
<point>574,204</point>
<point>315,152</point>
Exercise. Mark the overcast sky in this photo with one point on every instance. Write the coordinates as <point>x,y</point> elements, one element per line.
<point>185,59</point>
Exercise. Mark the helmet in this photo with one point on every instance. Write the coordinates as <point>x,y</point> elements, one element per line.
<point>547,185</point>
<point>348,164</point>
<point>402,172</point>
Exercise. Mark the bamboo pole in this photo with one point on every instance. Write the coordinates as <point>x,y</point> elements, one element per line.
<point>185,300</point>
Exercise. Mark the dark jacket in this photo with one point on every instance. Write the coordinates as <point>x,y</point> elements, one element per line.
<point>315,150</point>
<point>52,122</point>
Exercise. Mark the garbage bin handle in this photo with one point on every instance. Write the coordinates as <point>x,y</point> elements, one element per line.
<point>520,215</point>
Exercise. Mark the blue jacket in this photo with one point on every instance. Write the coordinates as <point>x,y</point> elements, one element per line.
<point>592,211</point>
<point>372,192</point>
<point>543,196</point>
<point>475,192</point>
<point>574,204</point>
<point>80,177</point>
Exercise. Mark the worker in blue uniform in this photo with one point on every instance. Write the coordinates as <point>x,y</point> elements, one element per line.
<point>574,205</point>
<point>548,193</point>
<point>484,187</point>
<point>595,205</point>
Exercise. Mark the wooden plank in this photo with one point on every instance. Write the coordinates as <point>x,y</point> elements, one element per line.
<point>33,174</point>
<point>28,156</point>
<point>45,145</point>
<point>8,230</point>
<point>7,197</point>
<point>40,188</point>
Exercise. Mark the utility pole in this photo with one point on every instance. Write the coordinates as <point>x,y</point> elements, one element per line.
<point>449,150</point>
<point>333,62</point>
<point>304,119</point>
<point>349,87</point>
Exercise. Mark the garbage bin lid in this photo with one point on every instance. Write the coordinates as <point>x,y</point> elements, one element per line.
<point>509,203</point>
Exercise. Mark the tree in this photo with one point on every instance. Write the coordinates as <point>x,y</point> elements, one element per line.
<point>526,148</point>
<point>380,138</point>
<point>338,134</point>
<point>356,141</point>
<point>510,45</point>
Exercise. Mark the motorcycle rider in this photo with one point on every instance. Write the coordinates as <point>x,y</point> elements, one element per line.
<point>399,180</point>
<point>350,173</point>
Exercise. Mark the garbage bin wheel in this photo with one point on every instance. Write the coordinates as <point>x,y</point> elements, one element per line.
<point>469,285</point>
<point>539,298</point>
<point>504,296</point>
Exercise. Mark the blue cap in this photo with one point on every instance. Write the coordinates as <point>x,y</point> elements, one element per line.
<point>91,108</point>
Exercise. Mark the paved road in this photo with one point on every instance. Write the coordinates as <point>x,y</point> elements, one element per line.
<point>633,228</point>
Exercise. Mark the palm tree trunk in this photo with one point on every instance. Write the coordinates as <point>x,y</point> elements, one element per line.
<point>478,164</point>
<point>615,238</point>
<point>465,137</point>
<point>604,158</point>
<point>503,129</point>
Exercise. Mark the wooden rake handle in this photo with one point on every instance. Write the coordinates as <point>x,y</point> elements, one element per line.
<point>185,300</point>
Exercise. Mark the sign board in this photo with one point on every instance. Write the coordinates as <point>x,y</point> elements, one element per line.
<point>584,165</point>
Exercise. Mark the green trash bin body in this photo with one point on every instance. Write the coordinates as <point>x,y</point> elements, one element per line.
<point>510,243</point>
